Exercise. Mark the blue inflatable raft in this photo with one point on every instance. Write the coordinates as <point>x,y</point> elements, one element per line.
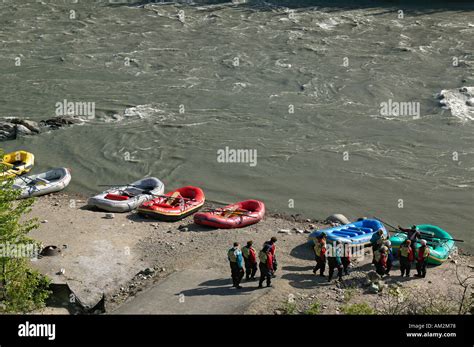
<point>357,233</point>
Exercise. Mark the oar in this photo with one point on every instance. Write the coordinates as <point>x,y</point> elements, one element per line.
<point>238,212</point>
<point>391,226</point>
<point>435,237</point>
<point>421,232</point>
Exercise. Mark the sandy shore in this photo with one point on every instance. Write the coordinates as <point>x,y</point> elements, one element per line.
<point>123,264</point>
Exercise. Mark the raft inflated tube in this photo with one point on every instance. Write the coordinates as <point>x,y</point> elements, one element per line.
<point>174,205</point>
<point>17,163</point>
<point>238,215</point>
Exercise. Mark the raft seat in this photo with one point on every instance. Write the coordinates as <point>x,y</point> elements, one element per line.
<point>367,230</point>
<point>355,230</point>
<point>344,234</point>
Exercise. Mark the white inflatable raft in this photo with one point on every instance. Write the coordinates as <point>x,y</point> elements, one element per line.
<point>44,183</point>
<point>128,198</point>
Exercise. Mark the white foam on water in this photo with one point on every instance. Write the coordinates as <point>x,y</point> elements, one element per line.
<point>459,101</point>
<point>142,112</point>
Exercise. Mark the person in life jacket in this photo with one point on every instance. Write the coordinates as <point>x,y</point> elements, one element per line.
<point>406,257</point>
<point>250,260</point>
<point>266,266</point>
<point>390,257</point>
<point>272,245</point>
<point>413,234</point>
<point>346,258</point>
<point>236,265</point>
<point>376,241</point>
<point>320,254</point>
<point>422,256</point>
<point>381,260</point>
<point>334,255</point>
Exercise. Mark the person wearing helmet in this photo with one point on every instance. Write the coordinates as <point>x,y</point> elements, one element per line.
<point>405,255</point>
<point>320,254</point>
<point>381,260</point>
<point>390,258</point>
<point>422,256</point>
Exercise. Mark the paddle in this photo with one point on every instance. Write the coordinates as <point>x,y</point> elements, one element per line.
<point>237,212</point>
<point>421,232</point>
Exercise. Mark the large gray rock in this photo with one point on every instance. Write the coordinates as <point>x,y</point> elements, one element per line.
<point>373,276</point>
<point>60,121</point>
<point>21,130</point>
<point>11,128</point>
<point>31,125</point>
<point>7,131</point>
<point>338,218</point>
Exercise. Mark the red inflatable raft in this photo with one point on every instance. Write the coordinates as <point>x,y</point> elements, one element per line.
<point>174,205</point>
<point>237,215</point>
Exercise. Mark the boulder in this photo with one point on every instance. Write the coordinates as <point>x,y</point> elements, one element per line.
<point>7,131</point>
<point>374,288</point>
<point>60,121</point>
<point>338,218</point>
<point>373,276</point>
<point>31,125</point>
<point>21,130</point>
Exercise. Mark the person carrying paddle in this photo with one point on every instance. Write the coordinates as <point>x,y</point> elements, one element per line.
<point>236,265</point>
<point>422,256</point>
<point>266,266</point>
<point>320,254</point>
<point>376,241</point>
<point>250,259</point>
<point>406,257</point>
<point>272,246</point>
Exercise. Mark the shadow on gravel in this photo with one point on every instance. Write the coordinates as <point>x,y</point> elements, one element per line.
<point>221,287</point>
<point>304,281</point>
<point>303,251</point>
<point>298,268</point>
<point>199,228</point>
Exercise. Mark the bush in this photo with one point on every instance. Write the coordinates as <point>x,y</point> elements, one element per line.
<point>362,308</point>
<point>289,308</point>
<point>315,308</point>
<point>21,288</point>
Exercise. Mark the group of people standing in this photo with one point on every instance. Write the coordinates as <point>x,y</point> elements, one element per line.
<point>337,254</point>
<point>407,253</point>
<point>245,262</point>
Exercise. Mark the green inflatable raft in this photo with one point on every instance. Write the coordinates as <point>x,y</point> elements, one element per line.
<point>440,242</point>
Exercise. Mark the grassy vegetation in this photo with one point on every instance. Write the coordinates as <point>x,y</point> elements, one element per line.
<point>356,309</point>
<point>314,309</point>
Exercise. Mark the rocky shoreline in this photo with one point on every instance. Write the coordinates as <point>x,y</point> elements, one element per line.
<point>12,128</point>
<point>121,264</point>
